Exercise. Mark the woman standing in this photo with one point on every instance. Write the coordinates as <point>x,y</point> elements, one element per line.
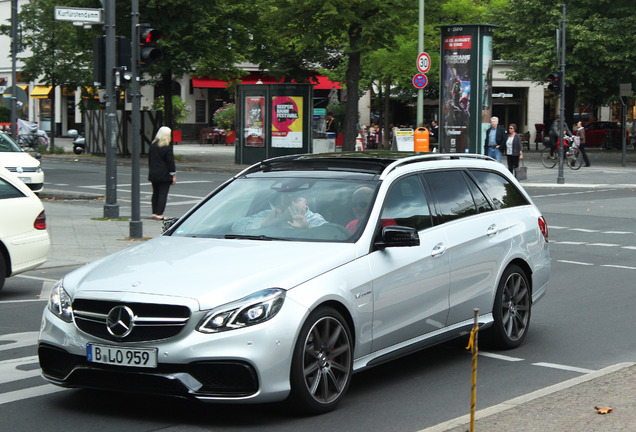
<point>580,132</point>
<point>161,170</point>
<point>513,148</point>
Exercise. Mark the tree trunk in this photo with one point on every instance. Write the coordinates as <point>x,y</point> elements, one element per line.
<point>166,85</point>
<point>387,108</point>
<point>352,80</point>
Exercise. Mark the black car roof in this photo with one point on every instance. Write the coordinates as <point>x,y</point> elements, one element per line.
<point>372,162</point>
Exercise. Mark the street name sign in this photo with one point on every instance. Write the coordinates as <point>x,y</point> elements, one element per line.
<point>79,15</point>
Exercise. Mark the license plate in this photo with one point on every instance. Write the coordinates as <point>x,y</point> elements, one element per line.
<point>120,356</point>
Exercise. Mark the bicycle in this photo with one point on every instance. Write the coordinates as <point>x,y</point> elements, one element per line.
<point>572,155</point>
<point>31,142</point>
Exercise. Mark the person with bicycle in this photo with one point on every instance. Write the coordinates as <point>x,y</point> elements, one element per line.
<point>555,135</point>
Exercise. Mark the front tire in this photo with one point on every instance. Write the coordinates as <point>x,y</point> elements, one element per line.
<point>512,308</point>
<point>322,363</point>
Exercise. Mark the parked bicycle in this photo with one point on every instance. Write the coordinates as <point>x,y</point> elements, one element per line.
<point>30,137</point>
<point>571,154</point>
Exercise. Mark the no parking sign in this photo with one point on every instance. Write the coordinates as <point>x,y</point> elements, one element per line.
<point>420,80</point>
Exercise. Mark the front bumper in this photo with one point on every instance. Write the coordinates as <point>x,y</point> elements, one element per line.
<point>250,364</point>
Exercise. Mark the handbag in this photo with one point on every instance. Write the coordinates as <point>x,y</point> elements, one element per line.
<point>521,172</point>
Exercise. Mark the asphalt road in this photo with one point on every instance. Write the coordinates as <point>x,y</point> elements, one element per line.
<point>584,323</point>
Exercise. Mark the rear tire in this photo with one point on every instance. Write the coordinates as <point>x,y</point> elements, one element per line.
<point>322,364</point>
<point>511,311</point>
<point>3,271</point>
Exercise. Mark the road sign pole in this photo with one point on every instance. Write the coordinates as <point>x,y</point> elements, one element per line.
<point>14,57</point>
<point>420,47</point>
<point>111,208</point>
<point>136,226</point>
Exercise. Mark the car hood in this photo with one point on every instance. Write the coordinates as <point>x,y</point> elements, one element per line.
<point>17,159</point>
<point>211,271</point>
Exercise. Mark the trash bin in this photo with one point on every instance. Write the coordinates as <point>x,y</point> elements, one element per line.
<point>421,140</point>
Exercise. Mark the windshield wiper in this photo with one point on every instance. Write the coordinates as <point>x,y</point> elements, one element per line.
<point>251,237</point>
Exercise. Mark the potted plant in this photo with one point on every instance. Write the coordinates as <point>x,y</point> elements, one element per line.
<point>225,118</point>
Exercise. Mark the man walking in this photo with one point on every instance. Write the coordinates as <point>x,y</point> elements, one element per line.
<point>495,139</point>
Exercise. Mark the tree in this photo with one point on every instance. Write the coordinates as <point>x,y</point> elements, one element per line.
<point>301,36</point>
<point>600,45</point>
<point>54,51</point>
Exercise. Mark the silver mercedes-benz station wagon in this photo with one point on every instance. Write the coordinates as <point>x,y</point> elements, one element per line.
<point>300,271</point>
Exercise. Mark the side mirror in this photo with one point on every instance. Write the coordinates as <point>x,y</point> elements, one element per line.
<point>71,133</point>
<point>38,156</point>
<point>398,236</point>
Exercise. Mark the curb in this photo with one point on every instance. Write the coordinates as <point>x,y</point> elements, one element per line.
<point>515,402</point>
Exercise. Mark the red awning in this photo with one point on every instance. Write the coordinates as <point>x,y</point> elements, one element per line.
<point>205,82</point>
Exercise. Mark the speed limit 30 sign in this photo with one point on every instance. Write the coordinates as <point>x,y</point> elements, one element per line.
<point>423,62</point>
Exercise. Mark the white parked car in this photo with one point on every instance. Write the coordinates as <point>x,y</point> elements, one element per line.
<point>24,240</point>
<point>300,271</point>
<point>21,163</point>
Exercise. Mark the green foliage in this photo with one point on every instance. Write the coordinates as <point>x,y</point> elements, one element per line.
<point>180,109</point>
<point>225,116</point>
<point>5,114</point>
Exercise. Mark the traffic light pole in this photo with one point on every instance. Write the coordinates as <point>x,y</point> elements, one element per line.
<point>135,226</point>
<point>14,56</point>
<point>561,54</point>
<point>111,208</point>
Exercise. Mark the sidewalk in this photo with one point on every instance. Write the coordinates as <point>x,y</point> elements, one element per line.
<point>79,236</point>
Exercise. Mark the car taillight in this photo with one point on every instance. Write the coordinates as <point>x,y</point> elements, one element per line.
<point>40,221</point>
<point>543,226</point>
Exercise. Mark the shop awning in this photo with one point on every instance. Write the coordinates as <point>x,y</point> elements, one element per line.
<point>23,87</point>
<point>41,92</point>
<point>206,82</point>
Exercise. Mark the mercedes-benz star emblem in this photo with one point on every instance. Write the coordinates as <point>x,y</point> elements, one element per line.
<point>120,321</point>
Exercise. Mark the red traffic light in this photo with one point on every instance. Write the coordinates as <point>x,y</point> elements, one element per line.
<point>148,35</point>
<point>555,82</point>
<point>148,51</point>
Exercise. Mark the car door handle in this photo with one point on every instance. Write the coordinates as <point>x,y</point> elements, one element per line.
<point>492,230</point>
<point>438,250</point>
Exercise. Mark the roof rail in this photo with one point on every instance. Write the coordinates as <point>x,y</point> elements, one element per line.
<point>432,157</point>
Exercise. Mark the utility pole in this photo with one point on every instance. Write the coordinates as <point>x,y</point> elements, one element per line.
<point>135,226</point>
<point>561,55</point>
<point>111,208</point>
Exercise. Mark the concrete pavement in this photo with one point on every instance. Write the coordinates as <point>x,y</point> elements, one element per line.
<point>79,235</point>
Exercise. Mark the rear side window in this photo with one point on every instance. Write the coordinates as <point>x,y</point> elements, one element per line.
<point>502,193</point>
<point>7,190</point>
<point>451,194</point>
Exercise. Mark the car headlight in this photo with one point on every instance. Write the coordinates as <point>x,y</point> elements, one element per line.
<point>60,302</point>
<point>253,309</point>
<point>38,169</point>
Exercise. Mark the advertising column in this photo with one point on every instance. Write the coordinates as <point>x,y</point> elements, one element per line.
<point>465,86</point>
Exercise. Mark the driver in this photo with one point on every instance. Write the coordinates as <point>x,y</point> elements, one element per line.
<point>288,211</point>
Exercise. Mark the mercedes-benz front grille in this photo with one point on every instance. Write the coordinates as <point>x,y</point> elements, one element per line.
<point>151,321</point>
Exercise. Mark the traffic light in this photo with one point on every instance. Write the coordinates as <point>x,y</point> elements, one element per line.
<point>99,62</point>
<point>554,82</point>
<point>148,51</point>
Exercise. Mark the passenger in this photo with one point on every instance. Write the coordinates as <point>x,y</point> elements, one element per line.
<point>292,212</point>
<point>360,201</point>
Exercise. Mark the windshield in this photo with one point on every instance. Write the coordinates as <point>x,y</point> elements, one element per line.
<point>284,208</point>
<point>7,144</point>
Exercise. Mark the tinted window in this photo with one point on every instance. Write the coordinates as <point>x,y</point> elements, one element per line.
<point>406,205</point>
<point>452,195</point>
<point>502,193</point>
<point>7,190</point>
<point>480,199</point>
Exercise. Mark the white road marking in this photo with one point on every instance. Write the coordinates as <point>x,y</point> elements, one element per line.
<point>603,244</point>
<point>563,367</point>
<point>18,340</point>
<point>575,262</point>
<point>9,369</point>
<point>23,276</point>
<point>617,232</point>
<point>629,247</point>
<point>29,393</point>
<point>584,230</point>
<point>500,357</point>
<point>618,266</point>
<point>568,243</point>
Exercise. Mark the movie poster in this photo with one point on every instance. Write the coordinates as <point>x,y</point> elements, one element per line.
<point>486,85</point>
<point>287,121</point>
<point>254,121</point>
<point>456,69</point>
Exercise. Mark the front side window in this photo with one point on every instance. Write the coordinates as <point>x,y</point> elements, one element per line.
<point>284,208</point>
<point>501,191</point>
<point>406,205</point>
<point>7,144</point>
